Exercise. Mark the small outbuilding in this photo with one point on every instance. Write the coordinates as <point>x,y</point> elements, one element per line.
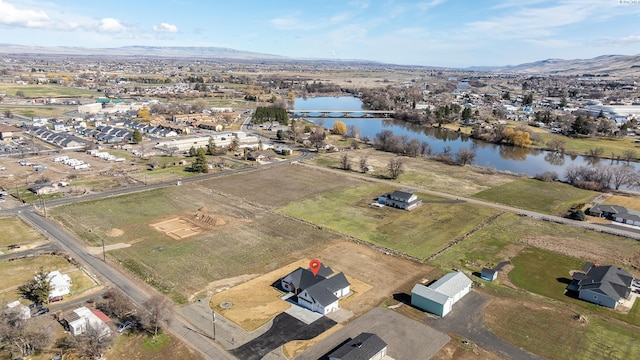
<point>488,274</point>
<point>439,297</point>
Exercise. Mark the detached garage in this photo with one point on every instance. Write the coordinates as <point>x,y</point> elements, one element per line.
<point>439,297</point>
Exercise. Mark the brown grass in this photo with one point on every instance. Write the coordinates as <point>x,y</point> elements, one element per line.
<point>631,202</point>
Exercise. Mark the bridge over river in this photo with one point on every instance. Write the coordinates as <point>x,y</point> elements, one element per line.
<point>343,113</point>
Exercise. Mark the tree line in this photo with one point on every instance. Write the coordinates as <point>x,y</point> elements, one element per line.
<point>270,113</point>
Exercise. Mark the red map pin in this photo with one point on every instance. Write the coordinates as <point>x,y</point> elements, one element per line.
<point>314,266</point>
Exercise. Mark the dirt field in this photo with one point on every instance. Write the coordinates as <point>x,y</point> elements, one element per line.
<point>256,302</point>
<point>278,186</point>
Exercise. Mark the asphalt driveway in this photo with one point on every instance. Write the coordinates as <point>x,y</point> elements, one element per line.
<point>466,320</point>
<point>284,328</point>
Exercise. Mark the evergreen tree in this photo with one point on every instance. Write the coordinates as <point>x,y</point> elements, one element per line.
<point>200,165</point>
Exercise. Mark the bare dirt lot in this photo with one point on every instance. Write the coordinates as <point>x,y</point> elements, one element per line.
<point>373,276</point>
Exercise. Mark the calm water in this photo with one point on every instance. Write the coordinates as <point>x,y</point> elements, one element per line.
<point>507,158</point>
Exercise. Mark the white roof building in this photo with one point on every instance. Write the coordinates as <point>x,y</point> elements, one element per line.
<point>82,318</point>
<point>60,284</point>
<point>439,297</point>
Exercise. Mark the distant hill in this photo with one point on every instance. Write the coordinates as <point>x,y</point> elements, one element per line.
<point>141,51</point>
<point>613,65</point>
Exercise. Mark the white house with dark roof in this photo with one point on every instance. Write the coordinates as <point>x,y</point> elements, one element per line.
<point>602,285</point>
<point>439,297</point>
<point>401,199</point>
<point>317,293</point>
<point>365,346</point>
<point>301,279</point>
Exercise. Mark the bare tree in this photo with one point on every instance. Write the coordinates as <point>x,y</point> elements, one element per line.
<point>345,163</point>
<point>425,149</point>
<point>118,303</point>
<point>412,147</point>
<point>363,164</point>
<point>622,175</point>
<point>557,144</point>
<point>395,167</point>
<point>465,156</point>
<point>317,140</point>
<point>91,344</point>
<point>629,155</point>
<point>353,132</point>
<point>158,312</point>
<point>24,336</point>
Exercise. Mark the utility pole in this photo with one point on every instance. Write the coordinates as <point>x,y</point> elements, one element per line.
<point>104,254</point>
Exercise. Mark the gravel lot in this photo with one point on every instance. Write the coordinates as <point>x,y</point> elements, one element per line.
<point>406,338</point>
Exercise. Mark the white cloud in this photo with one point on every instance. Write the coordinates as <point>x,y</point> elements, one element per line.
<point>290,22</point>
<point>426,5</point>
<point>165,27</point>
<point>110,25</point>
<point>11,15</point>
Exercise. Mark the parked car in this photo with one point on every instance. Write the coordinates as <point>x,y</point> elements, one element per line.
<point>41,311</point>
<point>56,298</point>
<point>124,326</point>
<point>636,283</point>
<point>13,246</point>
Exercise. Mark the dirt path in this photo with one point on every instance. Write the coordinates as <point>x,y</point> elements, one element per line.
<point>95,250</point>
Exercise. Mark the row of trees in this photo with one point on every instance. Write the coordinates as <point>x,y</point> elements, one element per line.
<point>603,177</point>
<point>270,113</point>
<point>395,165</point>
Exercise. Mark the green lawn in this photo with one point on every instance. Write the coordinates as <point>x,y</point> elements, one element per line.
<point>38,111</point>
<point>547,273</point>
<point>552,332</point>
<point>547,197</point>
<point>418,233</point>
<point>34,91</point>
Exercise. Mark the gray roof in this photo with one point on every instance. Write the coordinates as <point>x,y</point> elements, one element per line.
<point>617,211</point>
<point>405,195</point>
<point>362,347</point>
<point>608,280</point>
<point>303,278</point>
<point>322,292</point>
<point>486,272</point>
<point>430,294</point>
<point>451,283</point>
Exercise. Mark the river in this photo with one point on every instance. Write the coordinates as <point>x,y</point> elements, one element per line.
<point>501,157</point>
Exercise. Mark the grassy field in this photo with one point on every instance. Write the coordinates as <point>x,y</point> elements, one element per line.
<point>554,333</point>
<point>547,273</point>
<point>249,240</point>
<point>545,197</point>
<point>424,173</point>
<point>134,345</point>
<point>418,233</point>
<point>35,91</point>
<point>47,111</point>
<point>16,231</point>
<point>14,273</point>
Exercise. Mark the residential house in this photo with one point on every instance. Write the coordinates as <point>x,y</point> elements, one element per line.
<point>602,285</point>
<point>262,155</point>
<point>60,284</point>
<point>401,199</point>
<point>301,279</point>
<point>365,346</point>
<point>320,292</point>
<point>43,188</point>
<point>616,213</point>
<point>80,319</point>
<point>23,310</point>
<point>488,274</point>
<point>439,297</point>
<point>323,296</point>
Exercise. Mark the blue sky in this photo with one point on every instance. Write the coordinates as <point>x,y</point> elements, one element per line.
<point>455,33</point>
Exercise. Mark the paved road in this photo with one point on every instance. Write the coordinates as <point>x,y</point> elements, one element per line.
<point>137,292</point>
